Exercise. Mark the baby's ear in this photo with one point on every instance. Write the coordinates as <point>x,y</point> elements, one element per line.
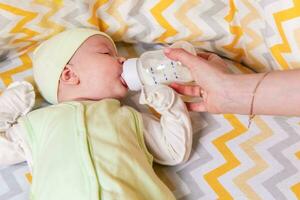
<point>68,76</point>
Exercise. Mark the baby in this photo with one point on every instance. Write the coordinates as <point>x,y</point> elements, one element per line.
<point>87,145</point>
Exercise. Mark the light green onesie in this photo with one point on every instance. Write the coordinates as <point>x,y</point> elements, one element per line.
<point>90,151</point>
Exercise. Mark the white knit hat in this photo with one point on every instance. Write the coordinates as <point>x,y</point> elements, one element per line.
<point>51,57</point>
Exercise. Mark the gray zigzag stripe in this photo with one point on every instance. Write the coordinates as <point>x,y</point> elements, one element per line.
<point>3,22</point>
<point>205,157</point>
<point>270,60</point>
<point>8,59</point>
<point>8,175</point>
<point>265,3</point>
<point>5,41</point>
<point>142,19</point>
<point>189,180</point>
<point>267,32</point>
<point>276,151</point>
<point>209,20</point>
<point>81,8</point>
<point>3,55</point>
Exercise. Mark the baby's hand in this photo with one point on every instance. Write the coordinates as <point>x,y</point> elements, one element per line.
<point>160,97</point>
<point>16,100</point>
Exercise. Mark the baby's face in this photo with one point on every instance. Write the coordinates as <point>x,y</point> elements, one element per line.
<point>99,69</point>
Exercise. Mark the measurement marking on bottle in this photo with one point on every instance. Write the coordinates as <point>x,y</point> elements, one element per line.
<point>155,82</point>
<point>165,75</point>
<point>152,71</point>
<point>174,72</point>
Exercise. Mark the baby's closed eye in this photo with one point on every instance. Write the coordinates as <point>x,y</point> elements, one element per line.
<point>103,52</point>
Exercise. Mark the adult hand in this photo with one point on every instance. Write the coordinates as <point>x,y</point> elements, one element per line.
<point>211,75</point>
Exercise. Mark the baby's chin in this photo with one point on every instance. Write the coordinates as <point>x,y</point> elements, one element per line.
<point>123,93</point>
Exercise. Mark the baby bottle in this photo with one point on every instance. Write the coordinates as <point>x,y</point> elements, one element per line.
<point>153,67</point>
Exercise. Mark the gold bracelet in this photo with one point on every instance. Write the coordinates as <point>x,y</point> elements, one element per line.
<point>251,115</point>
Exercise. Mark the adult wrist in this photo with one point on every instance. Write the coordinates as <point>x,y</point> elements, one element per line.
<point>238,92</point>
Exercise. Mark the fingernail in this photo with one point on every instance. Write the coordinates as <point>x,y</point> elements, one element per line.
<point>167,50</point>
<point>173,84</point>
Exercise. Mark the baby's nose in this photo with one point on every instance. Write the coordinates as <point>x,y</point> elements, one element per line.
<point>121,60</point>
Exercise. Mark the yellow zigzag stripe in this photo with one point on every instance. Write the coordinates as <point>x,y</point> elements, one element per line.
<point>296,189</point>
<point>7,75</point>
<point>284,47</point>
<point>19,28</point>
<point>54,7</point>
<point>157,14</point>
<point>182,17</point>
<point>231,161</point>
<point>241,68</point>
<point>113,10</point>
<point>235,30</point>
<point>28,177</point>
<point>94,20</point>
<point>256,38</point>
<point>260,165</point>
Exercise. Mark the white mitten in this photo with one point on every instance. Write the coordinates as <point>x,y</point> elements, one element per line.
<point>16,100</point>
<point>160,97</point>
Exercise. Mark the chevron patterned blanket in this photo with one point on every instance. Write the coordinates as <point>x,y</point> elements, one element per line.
<point>228,160</point>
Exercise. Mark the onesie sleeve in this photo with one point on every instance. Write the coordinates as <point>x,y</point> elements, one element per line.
<point>169,139</point>
<point>16,101</point>
<point>11,146</point>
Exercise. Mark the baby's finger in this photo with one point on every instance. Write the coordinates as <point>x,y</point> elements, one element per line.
<point>190,90</point>
<point>197,107</point>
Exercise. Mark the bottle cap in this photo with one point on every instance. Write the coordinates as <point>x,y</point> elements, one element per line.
<point>131,75</point>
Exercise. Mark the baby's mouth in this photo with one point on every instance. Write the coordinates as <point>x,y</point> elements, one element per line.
<point>123,82</point>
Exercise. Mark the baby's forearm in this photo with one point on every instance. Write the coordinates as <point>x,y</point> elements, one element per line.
<point>277,94</point>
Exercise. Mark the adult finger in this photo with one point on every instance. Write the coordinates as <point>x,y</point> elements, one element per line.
<point>209,56</point>
<point>196,106</point>
<point>187,59</point>
<point>213,58</point>
<point>190,90</point>
<point>203,55</point>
